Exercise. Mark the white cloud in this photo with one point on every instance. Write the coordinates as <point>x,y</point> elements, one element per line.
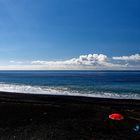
<point>83,62</point>
<point>12,61</point>
<point>90,59</point>
<point>135,57</point>
<point>16,62</point>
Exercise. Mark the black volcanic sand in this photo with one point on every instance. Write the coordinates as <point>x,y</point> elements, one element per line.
<point>66,118</point>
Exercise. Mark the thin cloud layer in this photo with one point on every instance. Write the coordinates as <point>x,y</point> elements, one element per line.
<point>16,62</point>
<point>135,57</point>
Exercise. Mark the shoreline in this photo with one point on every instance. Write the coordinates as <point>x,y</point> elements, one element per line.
<point>59,117</point>
<point>48,98</point>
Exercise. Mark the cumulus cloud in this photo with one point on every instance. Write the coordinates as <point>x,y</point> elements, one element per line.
<point>90,59</point>
<point>83,62</point>
<point>135,57</point>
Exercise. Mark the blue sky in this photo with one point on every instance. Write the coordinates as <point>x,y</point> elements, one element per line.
<point>60,30</point>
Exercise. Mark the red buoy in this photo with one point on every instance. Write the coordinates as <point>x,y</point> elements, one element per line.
<point>116,116</point>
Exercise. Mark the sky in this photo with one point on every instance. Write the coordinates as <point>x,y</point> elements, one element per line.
<point>69,34</point>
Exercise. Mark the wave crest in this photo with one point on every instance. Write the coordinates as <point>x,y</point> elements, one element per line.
<point>17,88</point>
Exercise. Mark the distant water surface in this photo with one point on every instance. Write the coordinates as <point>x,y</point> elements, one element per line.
<point>110,84</point>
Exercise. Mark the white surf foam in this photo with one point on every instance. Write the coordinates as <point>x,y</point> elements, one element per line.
<point>61,91</point>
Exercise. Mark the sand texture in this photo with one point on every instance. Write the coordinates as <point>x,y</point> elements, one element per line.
<point>37,117</point>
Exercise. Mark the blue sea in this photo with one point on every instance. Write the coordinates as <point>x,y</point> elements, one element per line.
<point>108,84</point>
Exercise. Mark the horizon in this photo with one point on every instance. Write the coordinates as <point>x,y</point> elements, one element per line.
<point>71,70</point>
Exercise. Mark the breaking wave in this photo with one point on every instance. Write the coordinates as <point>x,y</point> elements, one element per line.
<point>17,88</point>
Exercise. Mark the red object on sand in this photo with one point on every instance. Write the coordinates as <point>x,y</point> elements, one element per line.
<point>116,116</point>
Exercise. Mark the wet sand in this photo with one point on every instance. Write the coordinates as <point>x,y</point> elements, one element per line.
<point>48,117</point>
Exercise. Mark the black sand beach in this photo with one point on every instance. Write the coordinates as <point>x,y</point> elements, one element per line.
<point>48,117</point>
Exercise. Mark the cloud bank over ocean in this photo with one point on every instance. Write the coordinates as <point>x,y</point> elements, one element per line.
<point>135,57</point>
<point>83,62</point>
<point>90,59</point>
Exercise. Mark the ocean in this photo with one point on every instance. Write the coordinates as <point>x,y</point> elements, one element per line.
<point>107,84</point>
